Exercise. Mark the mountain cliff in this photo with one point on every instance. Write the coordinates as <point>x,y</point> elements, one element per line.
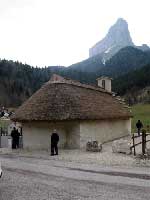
<point>117,38</point>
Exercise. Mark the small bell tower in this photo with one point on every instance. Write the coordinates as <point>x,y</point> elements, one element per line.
<point>104,82</point>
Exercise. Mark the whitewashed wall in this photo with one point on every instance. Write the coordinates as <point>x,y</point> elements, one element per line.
<point>107,83</point>
<point>103,131</point>
<point>73,135</point>
<point>37,135</point>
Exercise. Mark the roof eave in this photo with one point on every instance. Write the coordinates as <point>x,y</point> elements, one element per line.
<point>72,119</point>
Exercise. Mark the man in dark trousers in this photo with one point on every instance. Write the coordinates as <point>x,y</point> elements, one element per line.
<point>139,125</point>
<point>54,143</point>
<point>15,138</point>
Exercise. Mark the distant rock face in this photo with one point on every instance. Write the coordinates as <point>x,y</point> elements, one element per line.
<point>117,37</point>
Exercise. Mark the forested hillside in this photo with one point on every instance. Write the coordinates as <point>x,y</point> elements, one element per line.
<point>128,58</point>
<point>19,81</point>
<point>135,85</point>
<point>93,64</point>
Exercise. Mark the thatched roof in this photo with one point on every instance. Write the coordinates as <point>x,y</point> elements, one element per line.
<point>62,99</point>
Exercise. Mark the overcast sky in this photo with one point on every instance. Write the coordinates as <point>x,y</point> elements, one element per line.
<point>60,32</point>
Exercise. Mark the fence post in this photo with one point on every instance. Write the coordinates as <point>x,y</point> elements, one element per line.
<point>143,141</point>
<point>133,144</point>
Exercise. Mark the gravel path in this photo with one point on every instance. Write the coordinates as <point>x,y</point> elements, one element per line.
<point>104,158</point>
<point>74,174</point>
<point>42,179</point>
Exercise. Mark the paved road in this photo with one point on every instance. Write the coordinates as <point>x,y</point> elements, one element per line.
<point>38,179</point>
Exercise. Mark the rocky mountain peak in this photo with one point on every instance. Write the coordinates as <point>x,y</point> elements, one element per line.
<point>120,26</point>
<point>119,34</point>
<point>117,37</point>
<point>121,21</point>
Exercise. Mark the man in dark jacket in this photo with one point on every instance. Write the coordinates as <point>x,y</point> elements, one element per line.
<point>139,125</point>
<point>15,138</point>
<point>54,143</point>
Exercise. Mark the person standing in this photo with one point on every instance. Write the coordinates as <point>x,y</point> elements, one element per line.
<point>54,143</point>
<point>15,138</point>
<point>139,125</point>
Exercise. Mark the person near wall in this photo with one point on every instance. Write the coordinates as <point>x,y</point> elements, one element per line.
<point>15,138</point>
<point>54,143</point>
<point>139,125</point>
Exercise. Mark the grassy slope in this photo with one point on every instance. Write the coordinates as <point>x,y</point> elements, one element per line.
<point>142,112</point>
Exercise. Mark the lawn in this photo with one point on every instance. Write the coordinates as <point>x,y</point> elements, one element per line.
<point>142,112</point>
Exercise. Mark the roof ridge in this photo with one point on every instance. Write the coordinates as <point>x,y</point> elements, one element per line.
<point>79,84</point>
<point>60,79</point>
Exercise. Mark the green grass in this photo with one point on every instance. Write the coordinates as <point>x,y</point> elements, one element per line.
<point>142,112</point>
<point>4,123</point>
